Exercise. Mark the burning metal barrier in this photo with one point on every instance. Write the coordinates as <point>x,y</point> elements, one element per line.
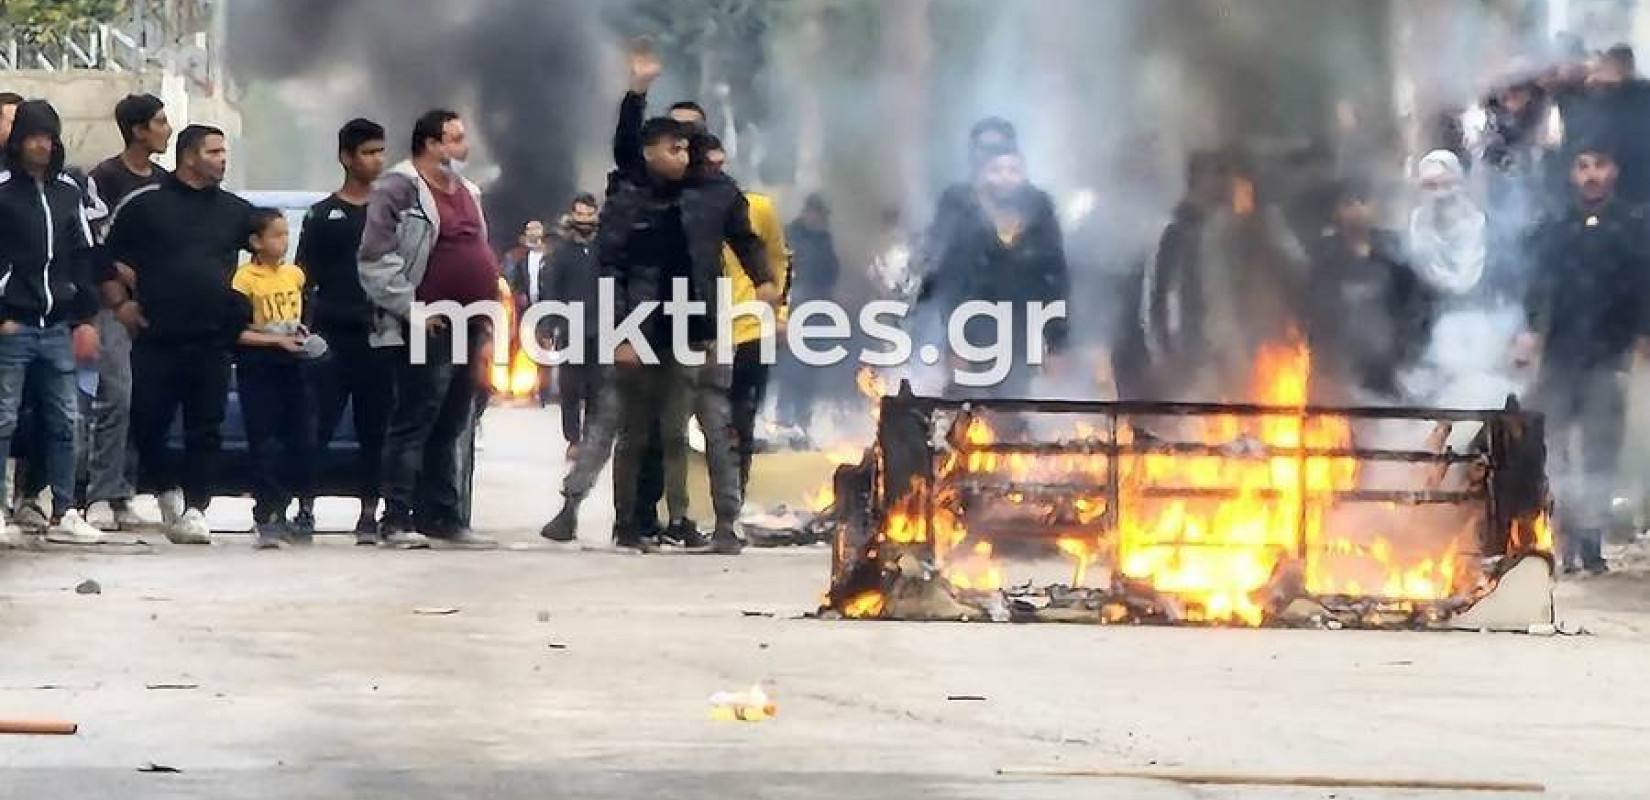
<point>1277,513</point>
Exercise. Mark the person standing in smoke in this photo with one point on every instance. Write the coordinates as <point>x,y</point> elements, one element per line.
<point>663,227</point>
<point>355,374</point>
<point>146,132</point>
<point>1171,307</point>
<point>425,241</point>
<point>1372,313</point>
<point>1447,229</point>
<point>1003,245</point>
<point>180,239</point>
<point>1514,157</point>
<point>813,277</point>
<point>47,302</point>
<point>1253,276</point>
<point>572,277</point>
<point>1587,313</point>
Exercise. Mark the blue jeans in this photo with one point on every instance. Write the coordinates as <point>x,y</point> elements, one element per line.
<point>38,363</point>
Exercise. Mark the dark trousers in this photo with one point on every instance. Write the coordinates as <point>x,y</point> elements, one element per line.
<point>360,377</point>
<point>432,408</point>
<point>650,479</point>
<point>798,391</point>
<point>1586,416</point>
<point>750,388</point>
<point>168,377</point>
<point>278,411</point>
<point>579,384</point>
<point>643,391</point>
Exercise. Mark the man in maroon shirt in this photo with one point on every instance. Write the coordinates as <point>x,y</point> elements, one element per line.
<point>426,242</point>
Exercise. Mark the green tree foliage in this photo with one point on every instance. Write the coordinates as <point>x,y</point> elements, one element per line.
<point>55,14</point>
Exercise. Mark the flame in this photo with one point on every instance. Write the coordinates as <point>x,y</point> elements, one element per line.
<point>519,378</point>
<point>865,606</point>
<point>1243,515</point>
<point>821,499</point>
<point>871,385</point>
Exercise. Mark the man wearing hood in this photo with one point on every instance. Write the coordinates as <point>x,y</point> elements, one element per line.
<point>1446,231</point>
<point>47,303</point>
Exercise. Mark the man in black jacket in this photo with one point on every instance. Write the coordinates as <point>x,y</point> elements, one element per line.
<point>661,228</point>
<point>47,302</point>
<point>815,270</point>
<point>572,277</point>
<point>1003,245</point>
<point>181,239</point>
<point>1371,314</point>
<point>1587,313</point>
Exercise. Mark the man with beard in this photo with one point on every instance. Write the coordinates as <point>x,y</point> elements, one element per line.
<point>181,239</point>
<point>1003,246</point>
<point>354,375</point>
<point>524,270</point>
<point>663,228</point>
<point>1586,313</point>
<point>572,277</point>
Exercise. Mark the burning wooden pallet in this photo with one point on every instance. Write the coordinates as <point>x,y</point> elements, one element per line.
<point>1276,513</point>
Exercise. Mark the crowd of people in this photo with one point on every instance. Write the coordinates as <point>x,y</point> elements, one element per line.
<point>125,304</point>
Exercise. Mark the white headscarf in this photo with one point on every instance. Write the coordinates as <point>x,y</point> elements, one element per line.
<point>1446,231</point>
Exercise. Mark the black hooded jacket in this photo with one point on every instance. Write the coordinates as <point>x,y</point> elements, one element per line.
<point>969,262</point>
<point>45,241</point>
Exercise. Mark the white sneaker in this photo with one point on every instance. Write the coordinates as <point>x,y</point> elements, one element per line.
<point>11,536</point>
<point>171,507</point>
<point>74,529</point>
<point>101,515</point>
<point>191,528</point>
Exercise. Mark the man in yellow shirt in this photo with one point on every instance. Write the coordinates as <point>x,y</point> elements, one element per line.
<point>750,375</point>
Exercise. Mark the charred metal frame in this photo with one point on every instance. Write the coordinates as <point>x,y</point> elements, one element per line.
<point>1510,448</point>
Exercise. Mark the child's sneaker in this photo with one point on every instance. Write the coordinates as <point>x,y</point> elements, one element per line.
<point>302,529</point>
<point>271,533</point>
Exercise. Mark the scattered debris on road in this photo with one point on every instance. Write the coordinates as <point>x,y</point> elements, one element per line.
<point>768,614</point>
<point>752,705</point>
<point>557,646</point>
<point>89,586</point>
<point>176,687</point>
<point>966,698</point>
<point>38,727</point>
<point>159,769</point>
<point>435,611</point>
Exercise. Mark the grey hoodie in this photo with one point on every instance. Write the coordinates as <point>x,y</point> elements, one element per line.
<point>402,225</point>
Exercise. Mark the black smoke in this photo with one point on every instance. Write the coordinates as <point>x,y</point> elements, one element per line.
<point>523,71</point>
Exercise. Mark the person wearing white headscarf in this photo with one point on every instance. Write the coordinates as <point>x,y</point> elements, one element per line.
<point>1447,229</point>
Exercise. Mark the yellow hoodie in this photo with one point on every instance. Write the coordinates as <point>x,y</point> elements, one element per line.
<point>765,221</point>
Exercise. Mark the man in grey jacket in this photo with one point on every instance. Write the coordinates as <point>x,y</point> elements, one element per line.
<point>426,242</point>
